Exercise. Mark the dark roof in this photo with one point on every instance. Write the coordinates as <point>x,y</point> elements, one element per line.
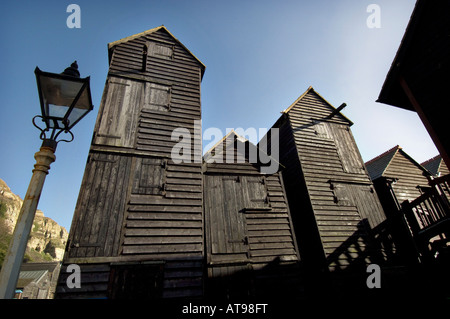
<point>29,276</point>
<point>50,266</point>
<point>391,92</point>
<point>436,166</point>
<point>34,272</point>
<point>378,165</point>
<point>433,164</point>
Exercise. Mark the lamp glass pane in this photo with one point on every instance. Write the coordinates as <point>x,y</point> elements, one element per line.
<point>82,107</point>
<point>58,95</point>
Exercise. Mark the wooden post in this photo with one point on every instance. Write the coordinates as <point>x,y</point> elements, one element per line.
<point>11,267</point>
<point>410,217</point>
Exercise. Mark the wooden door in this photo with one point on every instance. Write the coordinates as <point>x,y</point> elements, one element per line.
<point>232,221</point>
<point>123,101</point>
<point>224,205</point>
<point>120,113</point>
<point>226,200</point>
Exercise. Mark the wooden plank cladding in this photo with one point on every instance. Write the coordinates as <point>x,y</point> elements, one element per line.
<point>410,176</point>
<point>155,219</point>
<point>166,59</point>
<point>168,222</point>
<point>139,217</point>
<point>142,116</point>
<point>332,200</point>
<point>397,177</point>
<point>247,223</point>
<point>153,87</point>
<point>98,216</point>
<point>407,177</point>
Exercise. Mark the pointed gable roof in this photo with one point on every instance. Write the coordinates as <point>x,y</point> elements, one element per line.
<point>378,165</point>
<point>143,34</point>
<point>311,91</point>
<point>433,164</point>
<point>436,166</point>
<point>227,139</point>
<point>221,147</point>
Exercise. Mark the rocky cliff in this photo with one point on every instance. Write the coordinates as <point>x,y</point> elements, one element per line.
<point>48,239</point>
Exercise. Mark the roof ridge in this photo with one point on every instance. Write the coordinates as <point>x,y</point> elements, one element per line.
<point>310,88</point>
<point>134,36</point>
<point>137,35</point>
<point>415,162</point>
<point>243,140</point>
<point>298,99</point>
<point>396,147</point>
<point>224,138</point>
<point>431,159</point>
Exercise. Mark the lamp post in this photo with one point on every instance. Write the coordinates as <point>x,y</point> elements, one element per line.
<point>65,99</point>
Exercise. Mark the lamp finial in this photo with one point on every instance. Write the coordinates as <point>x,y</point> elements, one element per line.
<point>72,70</point>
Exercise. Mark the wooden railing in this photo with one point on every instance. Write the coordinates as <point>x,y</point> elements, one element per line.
<point>443,186</point>
<point>429,214</point>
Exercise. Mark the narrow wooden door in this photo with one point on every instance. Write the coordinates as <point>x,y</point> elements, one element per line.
<point>224,207</point>
<point>121,106</point>
<point>232,220</point>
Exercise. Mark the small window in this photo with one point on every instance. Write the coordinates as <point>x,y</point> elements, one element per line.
<point>256,192</point>
<point>321,130</point>
<point>160,50</point>
<point>341,193</point>
<point>157,97</point>
<point>149,176</point>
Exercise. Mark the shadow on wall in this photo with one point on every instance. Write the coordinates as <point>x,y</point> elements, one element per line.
<point>287,282</point>
<point>276,280</point>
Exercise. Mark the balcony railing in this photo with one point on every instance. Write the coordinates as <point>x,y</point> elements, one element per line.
<point>429,214</point>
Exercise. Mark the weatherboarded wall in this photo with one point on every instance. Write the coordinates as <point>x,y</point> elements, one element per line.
<point>250,241</point>
<point>397,177</point>
<point>333,203</point>
<point>410,177</point>
<point>139,216</point>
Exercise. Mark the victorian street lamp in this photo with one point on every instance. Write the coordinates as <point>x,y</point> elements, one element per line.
<point>65,99</point>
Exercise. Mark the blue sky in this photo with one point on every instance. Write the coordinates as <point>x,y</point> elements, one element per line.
<point>259,56</point>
